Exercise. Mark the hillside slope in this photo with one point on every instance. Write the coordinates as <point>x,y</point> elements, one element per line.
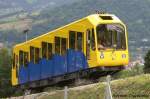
<point>135,13</point>
<point>137,87</point>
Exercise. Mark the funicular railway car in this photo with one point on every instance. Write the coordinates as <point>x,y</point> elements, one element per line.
<point>97,42</point>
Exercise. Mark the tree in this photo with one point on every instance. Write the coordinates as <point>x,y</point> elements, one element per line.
<point>5,73</point>
<point>147,63</point>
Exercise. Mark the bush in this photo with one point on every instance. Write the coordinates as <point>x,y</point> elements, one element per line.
<point>136,70</point>
<point>5,73</point>
<point>147,63</point>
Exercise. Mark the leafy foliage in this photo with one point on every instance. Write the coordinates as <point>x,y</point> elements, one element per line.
<point>5,73</point>
<point>147,62</point>
<point>136,70</point>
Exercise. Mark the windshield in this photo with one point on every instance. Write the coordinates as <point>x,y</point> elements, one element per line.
<point>110,36</point>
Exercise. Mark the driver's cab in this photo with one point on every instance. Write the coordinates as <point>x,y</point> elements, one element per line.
<point>107,42</point>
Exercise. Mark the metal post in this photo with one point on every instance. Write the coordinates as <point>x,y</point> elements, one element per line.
<point>26,33</point>
<point>26,92</point>
<point>108,93</point>
<point>66,93</point>
<point>26,36</point>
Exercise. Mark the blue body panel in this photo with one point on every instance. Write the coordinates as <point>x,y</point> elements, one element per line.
<point>46,68</point>
<point>34,71</point>
<point>80,59</point>
<point>23,75</point>
<point>71,60</point>
<point>76,61</point>
<point>59,65</point>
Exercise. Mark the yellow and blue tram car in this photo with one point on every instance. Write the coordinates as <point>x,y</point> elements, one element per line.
<point>96,41</point>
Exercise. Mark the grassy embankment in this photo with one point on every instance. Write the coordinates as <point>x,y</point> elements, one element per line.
<point>137,87</point>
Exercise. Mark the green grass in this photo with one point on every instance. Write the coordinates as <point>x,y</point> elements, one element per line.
<point>137,87</point>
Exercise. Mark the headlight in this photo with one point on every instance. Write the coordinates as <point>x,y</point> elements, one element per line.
<point>101,56</point>
<point>123,55</point>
